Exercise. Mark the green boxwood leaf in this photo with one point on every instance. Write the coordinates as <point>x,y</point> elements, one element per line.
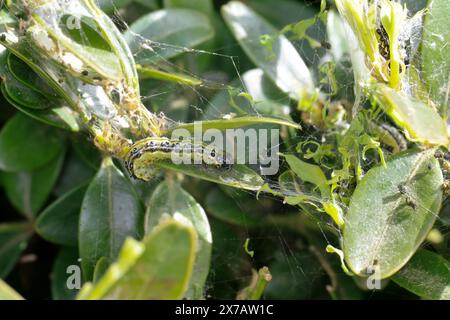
<point>26,144</point>
<point>391,212</point>
<point>281,62</point>
<point>171,199</point>
<point>422,123</point>
<point>204,6</point>
<point>234,123</point>
<point>427,274</point>
<point>435,56</point>
<point>61,117</point>
<point>100,268</point>
<point>13,240</point>
<point>65,267</point>
<point>112,5</point>
<point>268,99</point>
<point>158,268</point>
<point>75,173</point>
<point>152,73</point>
<point>29,190</point>
<point>24,74</point>
<point>172,30</point>
<point>58,223</point>
<point>111,211</point>
<point>24,95</point>
<point>238,176</point>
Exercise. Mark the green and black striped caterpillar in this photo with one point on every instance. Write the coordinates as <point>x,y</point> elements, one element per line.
<point>145,153</point>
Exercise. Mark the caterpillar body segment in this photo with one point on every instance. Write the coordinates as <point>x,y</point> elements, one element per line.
<point>144,154</point>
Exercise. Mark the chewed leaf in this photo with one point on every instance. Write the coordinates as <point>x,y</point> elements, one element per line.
<point>427,275</point>
<point>421,122</point>
<point>391,212</point>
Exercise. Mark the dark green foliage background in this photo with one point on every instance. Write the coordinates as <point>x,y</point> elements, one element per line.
<point>47,172</point>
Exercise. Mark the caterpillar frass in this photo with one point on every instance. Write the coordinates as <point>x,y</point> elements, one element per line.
<point>145,153</point>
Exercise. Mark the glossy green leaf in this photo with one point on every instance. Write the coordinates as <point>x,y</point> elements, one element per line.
<point>100,268</point>
<point>267,98</point>
<point>222,207</point>
<point>427,274</point>
<point>158,268</point>
<point>13,240</point>
<point>283,12</point>
<point>170,199</point>
<point>337,35</point>
<point>8,293</point>
<point>234,123</point>
<point>25,96</point>
<point>113,5</point>
<point>151,73</point>
<point>421,122</point>
<point>281,62</point>
<point>111,211</point>
<point>61,117</point>
<point>21,72</point>
<point>204,6</point>
<point>29,190</point>
<point>149,4</point>
<point>75,173</point>
<point>238,176</point>
<point>25,144</point>
<point>168,31</point>
<point>435,55</point>
<point>391,212</point>
<point>58,223</point>
<point>66,274</point>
